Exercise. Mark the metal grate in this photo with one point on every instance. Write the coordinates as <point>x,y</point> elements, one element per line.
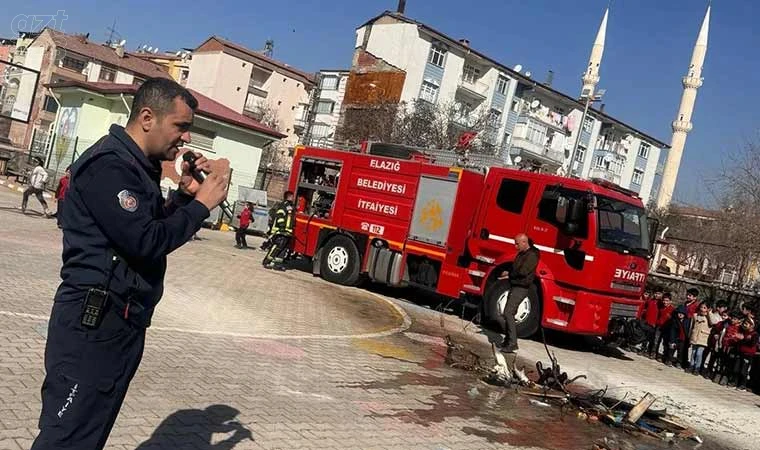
<point>623,310</point>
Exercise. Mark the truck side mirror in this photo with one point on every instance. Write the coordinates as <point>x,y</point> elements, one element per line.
<point>577,209</point>
<point>563,208</point>
<point>653,225</point>
<point>569,210</point>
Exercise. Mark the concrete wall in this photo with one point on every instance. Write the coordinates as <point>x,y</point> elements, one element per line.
<point>204,68</point>
<point>401,46</point>
<point>231,83</point>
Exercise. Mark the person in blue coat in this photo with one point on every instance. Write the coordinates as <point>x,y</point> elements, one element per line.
<point>117,231</point>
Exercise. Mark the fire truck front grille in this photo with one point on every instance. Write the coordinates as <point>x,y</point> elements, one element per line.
<point>623,310</point>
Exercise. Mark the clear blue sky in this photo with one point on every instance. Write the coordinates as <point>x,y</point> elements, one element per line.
<point>649,44</point>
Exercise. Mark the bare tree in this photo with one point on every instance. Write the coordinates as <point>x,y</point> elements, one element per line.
<point>419,123</point>
<point>728,236</point>
<point>276,153</point>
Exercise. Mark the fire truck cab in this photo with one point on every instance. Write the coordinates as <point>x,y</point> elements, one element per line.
<point>410,222</point>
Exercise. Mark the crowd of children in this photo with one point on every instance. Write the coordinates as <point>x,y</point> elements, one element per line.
<point>703,339</point>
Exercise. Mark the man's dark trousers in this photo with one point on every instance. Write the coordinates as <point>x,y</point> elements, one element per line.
<point>88,373</point>
<point>516,295</point>
<point>240,237</point>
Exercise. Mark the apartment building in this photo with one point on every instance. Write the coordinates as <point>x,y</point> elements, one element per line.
<point>60,56</point>
<point>253,84</point>
<point>321,116</point>
<point>530,124</point>
<point>177,63</point>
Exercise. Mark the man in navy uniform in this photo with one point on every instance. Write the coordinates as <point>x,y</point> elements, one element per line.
<point>117,232</point>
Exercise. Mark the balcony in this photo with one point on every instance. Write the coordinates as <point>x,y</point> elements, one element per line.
<point>465,120</point>
<point>529,149</point>
<point>546,118</point>
<point>604,174</point>
<point>474,89</point>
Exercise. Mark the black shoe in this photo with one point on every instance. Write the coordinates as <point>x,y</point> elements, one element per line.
<point>509,348</point>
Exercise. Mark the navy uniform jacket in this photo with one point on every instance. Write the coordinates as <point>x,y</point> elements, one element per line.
<point>114,207</point>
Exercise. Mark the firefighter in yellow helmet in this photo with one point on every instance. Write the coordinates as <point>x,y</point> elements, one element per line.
<point>281,233</point>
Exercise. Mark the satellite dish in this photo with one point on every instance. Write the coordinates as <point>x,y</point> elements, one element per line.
<point>155,51</point>
<point>123,41</point>
<point>535,104</point>
<point>150,49</point>
<point>528,74</point>
<point>517,159</point>
<point>518,68</point>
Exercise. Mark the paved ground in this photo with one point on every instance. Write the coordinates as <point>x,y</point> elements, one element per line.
<point>301,363</point>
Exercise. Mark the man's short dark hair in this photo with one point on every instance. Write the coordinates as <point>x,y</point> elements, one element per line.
<point>693,291</point>
<point>287,194</point>
<point>158,94</point>
<point>667,295</point>
<point>721,304</point>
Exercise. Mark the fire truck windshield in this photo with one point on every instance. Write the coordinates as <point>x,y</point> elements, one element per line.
<point>622,227</point>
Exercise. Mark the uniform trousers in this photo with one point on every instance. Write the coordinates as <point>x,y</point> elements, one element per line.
<point>87,376</point>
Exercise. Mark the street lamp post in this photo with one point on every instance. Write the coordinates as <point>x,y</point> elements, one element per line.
<point>589,99</point>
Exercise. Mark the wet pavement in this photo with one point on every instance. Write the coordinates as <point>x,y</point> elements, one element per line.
<point>295,361</point>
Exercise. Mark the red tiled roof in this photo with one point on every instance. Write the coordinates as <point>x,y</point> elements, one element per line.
<point>152,56</point>
<point>299,74</point>
<point>100,52</point>
<point>206,107</point>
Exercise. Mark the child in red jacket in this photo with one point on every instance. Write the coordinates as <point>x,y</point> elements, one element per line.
<point>663,316</point>
<point>649,322</point>
<point>731,335</point>
<point>746,346</point>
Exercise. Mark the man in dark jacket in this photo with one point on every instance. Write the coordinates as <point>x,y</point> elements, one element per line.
<point>117,232</point>
<point>521,278</point>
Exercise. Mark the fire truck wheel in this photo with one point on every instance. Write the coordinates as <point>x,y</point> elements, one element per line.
<point>528,311</point>
<point>340,261</point>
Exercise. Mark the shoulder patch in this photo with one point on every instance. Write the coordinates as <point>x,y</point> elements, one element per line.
<point>127,200</point>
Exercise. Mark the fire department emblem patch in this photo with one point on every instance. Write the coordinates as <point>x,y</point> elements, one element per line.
<point>127,201</point>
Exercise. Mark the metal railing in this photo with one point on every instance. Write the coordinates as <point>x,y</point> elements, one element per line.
<point>535,149</point>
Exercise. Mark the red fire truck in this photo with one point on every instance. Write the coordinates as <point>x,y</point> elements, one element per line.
<point>406,221</point>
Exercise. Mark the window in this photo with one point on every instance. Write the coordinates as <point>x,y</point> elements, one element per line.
<point>184,74</point>
<point>547,208</point>
<point>638,176</point>
<point>588,124</point>
<point>325,107</point>
<point>50,104</point>
<point>20,51</point>
<point>437,56</point>
<point>580,154</point>
<point>74,64</point>
<point>599,162</point>
<point>201,139</point>
<point>536,133</point>
<point>501,85</point>
<point>515,106</point>
<point>644,150</point>
<point>107,74</point>
<point>429,91</point>
<point>512,194</point>
<point>622,226</point>
<point>494,118</point>
<point>319,130</point>
<point>137,81</point>
<point>470,73</point>
<point>329,83</point>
